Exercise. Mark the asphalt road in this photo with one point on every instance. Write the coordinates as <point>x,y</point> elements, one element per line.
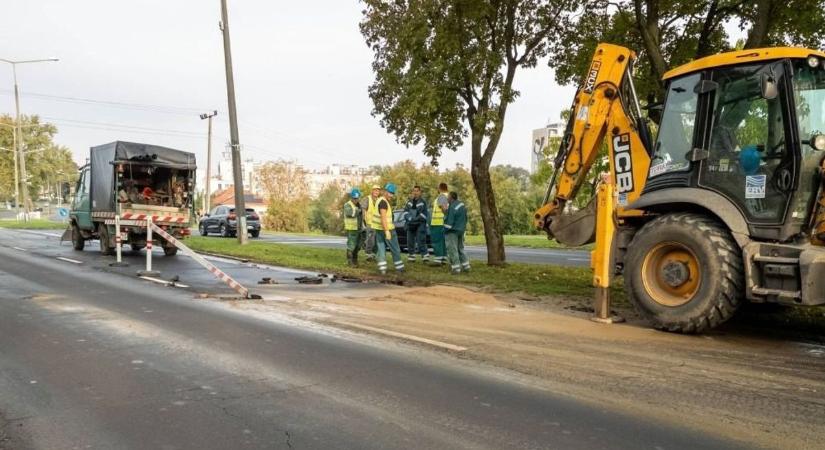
<point>94,357</point>
<point>514,254</point>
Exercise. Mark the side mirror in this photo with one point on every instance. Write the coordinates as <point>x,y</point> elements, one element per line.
<point>768,86</point>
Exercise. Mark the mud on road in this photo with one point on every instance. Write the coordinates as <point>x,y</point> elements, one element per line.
<point>764,389</point>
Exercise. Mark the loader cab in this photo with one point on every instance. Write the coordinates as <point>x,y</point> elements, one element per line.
<point>81,203</point>
<point>744,126</point>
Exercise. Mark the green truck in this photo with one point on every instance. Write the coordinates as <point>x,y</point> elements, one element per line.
<point>129,183</point>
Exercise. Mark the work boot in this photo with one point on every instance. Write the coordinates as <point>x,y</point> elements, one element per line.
<point>350,261</point>
<point>355,259</point>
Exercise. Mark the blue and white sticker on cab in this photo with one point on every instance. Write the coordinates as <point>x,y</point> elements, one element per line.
<point>755,186</point>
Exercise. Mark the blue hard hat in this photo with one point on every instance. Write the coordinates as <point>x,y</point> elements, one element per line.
<point>355,193</point>
<point>749,159</point>
<point>390,187</point>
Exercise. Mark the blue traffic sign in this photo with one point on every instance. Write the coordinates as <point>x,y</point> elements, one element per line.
<point>63,212</point>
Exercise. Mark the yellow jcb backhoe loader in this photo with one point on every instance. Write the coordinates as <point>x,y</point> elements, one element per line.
<point>725,204</point>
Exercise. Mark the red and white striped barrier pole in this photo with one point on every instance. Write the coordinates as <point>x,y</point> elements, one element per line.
<point>149,227</point>
<point>238,287</point>
<point>118,244</point>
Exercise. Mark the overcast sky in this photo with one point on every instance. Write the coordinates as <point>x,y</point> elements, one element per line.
<point>301,76</point>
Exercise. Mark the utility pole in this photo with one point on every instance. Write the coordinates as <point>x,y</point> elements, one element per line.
<point>21,157</point>
<point>208,191</point>
<point>237,173</point>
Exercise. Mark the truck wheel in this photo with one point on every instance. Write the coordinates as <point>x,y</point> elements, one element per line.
<point>77,238</point>
<point>225,231</point>
<point>254,234</point>
<point>202,230</point>
<point>170,251</point>
<point>684,273</point>
<point>136,247</point>
<point>105,242</point>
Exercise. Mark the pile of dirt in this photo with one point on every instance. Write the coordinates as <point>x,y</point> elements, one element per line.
<point>440,295</point>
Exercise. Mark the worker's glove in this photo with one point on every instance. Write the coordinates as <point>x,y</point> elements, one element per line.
<point>388,235</point>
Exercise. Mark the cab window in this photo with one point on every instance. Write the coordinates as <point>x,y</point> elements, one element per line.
<point>748,160</point>
<point>675,138</point>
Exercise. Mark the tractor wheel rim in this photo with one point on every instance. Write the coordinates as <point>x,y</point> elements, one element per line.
<point>670,274</point>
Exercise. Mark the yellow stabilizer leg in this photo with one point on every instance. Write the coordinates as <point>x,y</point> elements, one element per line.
<point>601,260</point>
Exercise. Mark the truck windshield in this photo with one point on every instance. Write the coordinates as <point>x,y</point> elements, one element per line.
<point>809,98</point>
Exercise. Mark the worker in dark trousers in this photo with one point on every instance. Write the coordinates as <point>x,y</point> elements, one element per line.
<point>385,234</point>
<point>370,207</point>
<point>439,208</point>
<point>353,224</point>
<point>454,226</point>
<point>415,212</point>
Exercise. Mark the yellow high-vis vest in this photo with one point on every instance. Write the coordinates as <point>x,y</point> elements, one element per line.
<point>351,223</point>
<point>437,216</point>
<point>371,211</point>
<point>376,216</point>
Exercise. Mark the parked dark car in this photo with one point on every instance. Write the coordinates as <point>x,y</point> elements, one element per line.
<point>400,221</point>
<point>222,220</point>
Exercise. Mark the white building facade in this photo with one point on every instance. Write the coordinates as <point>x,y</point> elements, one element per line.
<point>541,139</point>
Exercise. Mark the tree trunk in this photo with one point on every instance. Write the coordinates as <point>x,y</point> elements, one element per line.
<point>758,34</point>
<point>480,172</point>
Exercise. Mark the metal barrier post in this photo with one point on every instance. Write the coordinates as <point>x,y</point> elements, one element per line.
<point>118,244</point>
<point>149,271</point>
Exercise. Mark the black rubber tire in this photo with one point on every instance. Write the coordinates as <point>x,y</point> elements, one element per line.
<point>136,248</point>
<point>170,251</point>
<point>105,248</point>
<point>721,284</point>
<point>254,234</point>
<point>78,243</point>
<point>202,230</point>
<point>225,231</point>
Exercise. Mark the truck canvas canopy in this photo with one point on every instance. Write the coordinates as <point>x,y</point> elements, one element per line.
<point>105,157</point>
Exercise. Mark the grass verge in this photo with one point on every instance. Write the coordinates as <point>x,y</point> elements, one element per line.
<point>534,279</point>
<point>526,241</point>
<point>34,224</point>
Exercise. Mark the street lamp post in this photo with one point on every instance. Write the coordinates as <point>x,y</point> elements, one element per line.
<point>17,134</point>
<point>237,175</point>
<point>206,198</point>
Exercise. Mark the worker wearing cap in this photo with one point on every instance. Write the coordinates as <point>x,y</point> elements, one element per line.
<point>454,225</point>
<point>385,235</point>
<point>440,205</point>
<point>353,224</point>
<point>371,200</point>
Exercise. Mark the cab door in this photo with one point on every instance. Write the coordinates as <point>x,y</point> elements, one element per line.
<point>749,159</point>
<point>81,206</point>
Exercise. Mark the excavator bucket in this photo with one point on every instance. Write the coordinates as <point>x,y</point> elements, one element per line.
<point>577,228</point>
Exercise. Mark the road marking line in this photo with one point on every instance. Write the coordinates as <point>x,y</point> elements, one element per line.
<point>164,282</point>
<point>73,261</point>
<point>578,259</point>
<point>21,249</point>
<point>410,337</point>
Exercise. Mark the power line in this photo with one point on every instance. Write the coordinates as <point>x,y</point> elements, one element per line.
<point>123,105</point>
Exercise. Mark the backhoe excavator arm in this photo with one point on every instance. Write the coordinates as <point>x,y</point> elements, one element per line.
<point>605,104</point>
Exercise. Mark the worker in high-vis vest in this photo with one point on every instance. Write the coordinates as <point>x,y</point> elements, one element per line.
<point>455,223</point>
<point>385,235</point>
<point>353,224</point>
<point>370,206</point>
<point>440,205</point>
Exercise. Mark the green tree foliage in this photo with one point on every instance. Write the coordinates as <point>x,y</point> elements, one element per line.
<point>668,33</point>
<point>47,164</point>
<point>325,211</point>
<point>444,72</point>
<point>287,192</point>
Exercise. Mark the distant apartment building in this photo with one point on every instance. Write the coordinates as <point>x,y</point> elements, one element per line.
<point>224,179</point>
<point>344,175</point>
<point>541,139</point>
